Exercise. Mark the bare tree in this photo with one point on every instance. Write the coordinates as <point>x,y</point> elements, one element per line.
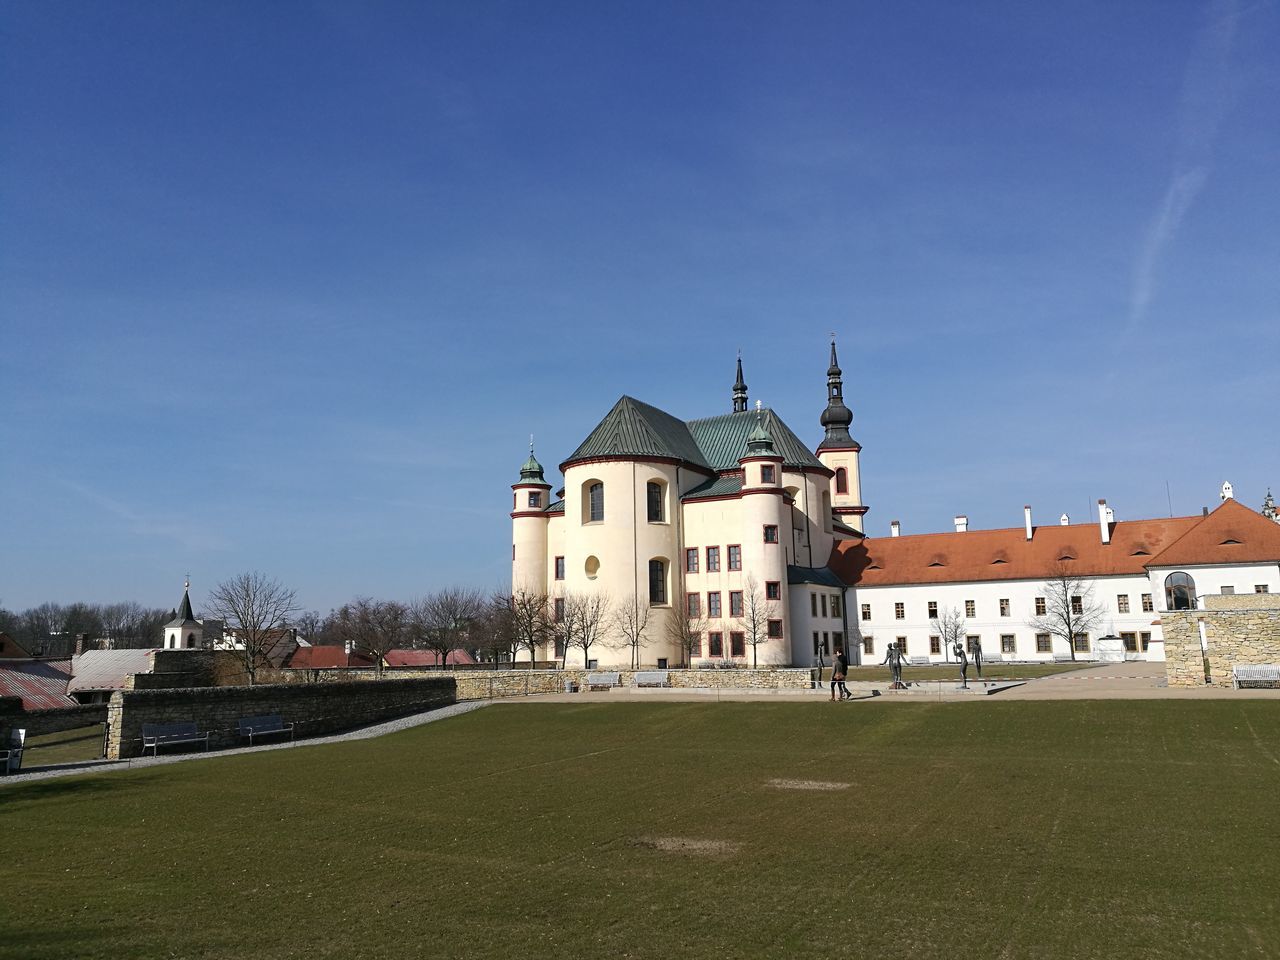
<point>629,623</point>
<point>442,620</point>
<point>685,633</point>
<point>1070,607</point>
<point>374,628</point>
<point>257,608</point>
<point>493,638</point>
<point>757,611</point>
<point>531,628</point>
<point>308,624</point>
<point>949,625</point>
<point>586,617</point>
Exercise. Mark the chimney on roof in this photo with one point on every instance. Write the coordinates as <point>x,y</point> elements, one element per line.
<point>79,644</point>
<point>1104,526</point>
<point>962,523</point>
<point>1204,511</point>
<point>1026,519</point>
<point>895,528</point>
<point>1064,520</point>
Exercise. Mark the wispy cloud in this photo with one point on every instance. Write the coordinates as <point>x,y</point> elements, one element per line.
<point>1206,95</point>
<point>179,531</point>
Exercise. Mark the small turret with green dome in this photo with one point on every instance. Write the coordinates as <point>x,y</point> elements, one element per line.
<point>759,442</point>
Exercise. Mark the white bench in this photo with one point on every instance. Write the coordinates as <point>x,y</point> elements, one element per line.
<point>1063,658</point>
<point>918,661</point>
<point>1255,675</point>
<point>652,678</point>
<point>991,657</point>
<point>603,681</point>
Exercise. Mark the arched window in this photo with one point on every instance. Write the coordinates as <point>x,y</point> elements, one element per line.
<point>191,639</point>
<point>657,582</point>
<point>654,493</point>
<point>1179,592</point>
<point>592,501</point>
<point>842,480</point>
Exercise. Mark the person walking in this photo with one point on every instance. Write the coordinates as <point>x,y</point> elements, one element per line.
<point>839,671</point>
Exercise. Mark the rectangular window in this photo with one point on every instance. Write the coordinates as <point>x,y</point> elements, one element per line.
<point>713,559</point>
<point>902,645</point>
<point>1007,643</point>
<point>813,605</point>
<point>770,533</point>
<point>657,583</point>
<point>1145,637</point>
<point>692,605</point>
<point>1041,607</point>
<point>1122,603</point>
<point>559,647</point>
<point>1004,608</point>
<point>1228,591</point>
<point>868,646</point>
<point>1077,603</point>
<point>1082,643</point>
<point>559,606</point>
<point>1130,642</point>
<point>866,611</point>
<point>735,603</point>
<point>695,645</point>
<point>655,502</point>
<point>835,606</point>
<point>559,568</point>
<point>1044,643</point>
<point>716,641</point>
<point>737,644</point>
<point>899,611</point>
<point>970,608</point>
<point>775,629</point>
<point>535,500</point>
<point>735,557</point>
<point>969,643</point>
<point>773,590</point>
<point>933,609</point>
<point>824,605</point>
<point>713,604</point>
<point>935,645</point>
<point>816,644</point>
<point>1147,605</point>
<point>766,473</point>
<point>691,560</point>
<point>1261,588</point>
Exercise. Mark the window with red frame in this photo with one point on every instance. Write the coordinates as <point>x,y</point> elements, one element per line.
<point>713,559</point>
<point>737,644</point>
<point>692,604</point>
<point>775,629</point>
<point>691,560</point>
<point>715,640</point>
<point>735,557</point>
<point>770,533</point>
<point>773,590</point>
<point>735,603</point>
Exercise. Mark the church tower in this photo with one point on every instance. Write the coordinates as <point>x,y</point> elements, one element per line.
<point>839,451</point>
<point>739,391</point>
<point>529,519</point>
<point>184,631</point>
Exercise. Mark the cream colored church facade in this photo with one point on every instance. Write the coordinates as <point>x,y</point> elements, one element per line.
<point>731,524</point>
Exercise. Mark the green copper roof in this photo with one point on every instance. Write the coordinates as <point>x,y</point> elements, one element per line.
<point>723,439</point>
<point>532,469</point>
<point>635,429</point>
<point>715,487</point>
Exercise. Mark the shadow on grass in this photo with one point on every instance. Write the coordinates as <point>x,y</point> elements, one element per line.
<point>32,942</point>
<point>34,791</point>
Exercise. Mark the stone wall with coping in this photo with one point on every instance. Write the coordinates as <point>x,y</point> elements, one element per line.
<point>1240,629</point>
<point>491,684</point>
<point>314,708</point>
<point>39,722</point>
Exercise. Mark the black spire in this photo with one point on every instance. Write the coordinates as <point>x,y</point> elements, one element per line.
<point>739,390</point>
<point>837,417</point>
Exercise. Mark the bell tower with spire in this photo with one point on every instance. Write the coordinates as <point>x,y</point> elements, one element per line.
<point>839,451</point>
<point>529,523</point>
<point>739,390</point>
<point>184,631</point>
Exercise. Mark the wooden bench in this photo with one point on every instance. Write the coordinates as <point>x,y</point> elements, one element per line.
<point>652,678</point>
<point>918,661</point>
<point>1255,675</point>
<point>11,752</point>
<point>263,726</point>
<point>603,681</point>
<point>156,735</point>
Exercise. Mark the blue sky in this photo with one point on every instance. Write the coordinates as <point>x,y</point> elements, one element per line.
<point>287,286</point>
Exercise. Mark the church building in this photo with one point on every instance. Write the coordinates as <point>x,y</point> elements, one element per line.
<point>738,540</point>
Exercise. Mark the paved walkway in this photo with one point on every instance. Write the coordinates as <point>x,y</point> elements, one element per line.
<point>362,733</point>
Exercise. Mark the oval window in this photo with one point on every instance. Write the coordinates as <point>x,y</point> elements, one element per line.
<point>592,567</point>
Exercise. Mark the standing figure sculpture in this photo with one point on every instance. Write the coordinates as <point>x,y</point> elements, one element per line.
<point>893,657</point>
<point>977,655</point>
<point>963,660</point>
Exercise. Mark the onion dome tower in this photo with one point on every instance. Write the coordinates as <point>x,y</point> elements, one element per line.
<point>839,451</point>
<point>529,523</point>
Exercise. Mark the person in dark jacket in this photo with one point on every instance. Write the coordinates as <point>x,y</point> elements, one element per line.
<point>839,671</point>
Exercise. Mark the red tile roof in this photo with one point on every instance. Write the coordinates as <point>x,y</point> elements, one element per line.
<point>1231,534</point>
<point>326,658</point>
<point>425,658</point>
<point>42,684</point>
<point>1006,554</point>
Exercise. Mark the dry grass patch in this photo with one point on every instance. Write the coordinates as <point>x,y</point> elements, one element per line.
<point>820,785</point>
<point>691,846</point>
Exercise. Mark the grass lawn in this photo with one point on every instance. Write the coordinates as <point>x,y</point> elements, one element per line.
<point>1058,829</point>
<point>69,746</point>
<point>951,671</point>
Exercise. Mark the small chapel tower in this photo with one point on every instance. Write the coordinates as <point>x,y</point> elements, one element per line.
<point>529,517</point>
<point>839,451</point>
<point>184,631</point>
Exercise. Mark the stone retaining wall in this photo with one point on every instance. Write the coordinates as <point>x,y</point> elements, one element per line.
<point>1242,629</point>
<point>315,708</point>
<point>39,722</point>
